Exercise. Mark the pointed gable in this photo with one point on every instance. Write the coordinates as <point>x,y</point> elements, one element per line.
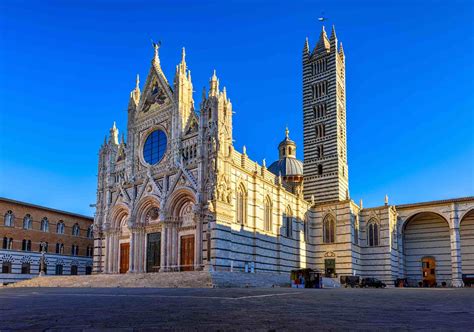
<point>157,91</point>
<point>323,43</point>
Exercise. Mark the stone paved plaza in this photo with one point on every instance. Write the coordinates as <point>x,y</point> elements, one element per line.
<point>236,309</point>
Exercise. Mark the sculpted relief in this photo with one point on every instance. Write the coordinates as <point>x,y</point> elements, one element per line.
<point>224,192</point>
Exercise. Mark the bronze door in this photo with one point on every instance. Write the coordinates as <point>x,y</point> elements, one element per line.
<point>124,257</point>
<point>428,265</point>
<point>187,253</point>
<point>153,252</point>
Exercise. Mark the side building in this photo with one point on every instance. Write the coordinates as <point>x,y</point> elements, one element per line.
<point>27,230</point>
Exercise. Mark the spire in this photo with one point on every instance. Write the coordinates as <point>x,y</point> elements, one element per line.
<point>323,42</point>
<point>306,46</point>
<point>341,50</point>
<point>386,200</point>
<point>214,83</point>
<point>333,33</point>
<point>183,55</point>
<point>287,133</point>
<point>333,40</point>
<point>122,139</point>
<point>156,58</point>
<point>135,94</point>
<point>113,138</point>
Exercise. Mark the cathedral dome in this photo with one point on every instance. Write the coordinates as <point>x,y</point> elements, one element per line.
<point>287,165</point>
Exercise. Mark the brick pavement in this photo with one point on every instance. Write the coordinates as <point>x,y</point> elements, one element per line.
<point>236,309</point>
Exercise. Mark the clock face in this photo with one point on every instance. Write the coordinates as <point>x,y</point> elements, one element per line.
<point>155,147</point>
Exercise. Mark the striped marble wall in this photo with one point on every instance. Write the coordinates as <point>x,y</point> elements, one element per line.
<point>467,243</point>
<point>427,234</point>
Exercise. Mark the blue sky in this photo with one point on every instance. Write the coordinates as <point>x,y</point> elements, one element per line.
<point>67,68</point>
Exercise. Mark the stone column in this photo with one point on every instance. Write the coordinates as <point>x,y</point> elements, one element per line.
<point>401,257</point>
<point>169,254</point>
<point>174,248</point>
<point>164,230</point>
<point>141,251</point>
<point>113,255</point>
<point>456,267</point>
<point>132,265</point>
<point>198,245</point>
<point>106,255</point>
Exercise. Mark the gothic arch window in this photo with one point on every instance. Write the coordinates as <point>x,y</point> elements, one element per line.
<point>373,233</point>
<point>90,232</point>
<point>27,222</point>
<point>75,250</point>
<point>44,225</point>
<point>268,214</point>
<point>329,229</point>
<point>89,251</point>
<point>288,222</point>
<point>7,243</point>
<point>26,245</point>
<point>9,219</point>
<point>241,205</point>
<point>60,248</point>
<point>75,230</point>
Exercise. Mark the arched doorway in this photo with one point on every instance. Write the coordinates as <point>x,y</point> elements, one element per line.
<point>185,233</point>
<point>117,239</point>
<point>466,231</point>
<point>146,250</point>
<point>124,242</point>
<point>427,249</point>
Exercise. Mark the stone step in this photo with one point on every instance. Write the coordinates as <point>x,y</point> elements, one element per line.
<point>194,279</point>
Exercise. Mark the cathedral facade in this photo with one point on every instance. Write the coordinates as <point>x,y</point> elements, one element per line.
<point>178,196</point>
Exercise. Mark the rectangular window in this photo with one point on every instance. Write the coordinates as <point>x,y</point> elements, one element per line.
<point>25,268</point>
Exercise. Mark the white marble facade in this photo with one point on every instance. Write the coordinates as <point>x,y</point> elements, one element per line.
<point>178,196</point>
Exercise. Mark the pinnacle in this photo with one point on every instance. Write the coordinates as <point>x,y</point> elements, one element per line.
<point>333,32</point>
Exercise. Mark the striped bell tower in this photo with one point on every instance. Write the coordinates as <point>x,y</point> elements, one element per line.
<point>324,119</point>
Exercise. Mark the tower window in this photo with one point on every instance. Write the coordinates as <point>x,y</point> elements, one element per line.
<point>320,169</point>
<point>320,150</point>
<point>320,130</point>
<point>329,229</point>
